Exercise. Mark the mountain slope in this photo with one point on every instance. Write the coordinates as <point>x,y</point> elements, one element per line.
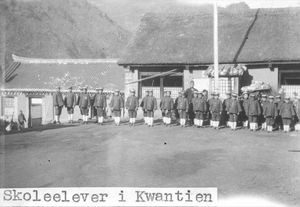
<point>128,13</point>
<point>61,29</point>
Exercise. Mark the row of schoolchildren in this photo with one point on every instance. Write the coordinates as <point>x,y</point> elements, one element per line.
<point>85,102</point>
<point>97,103</point>
<point>268,111</point>
<point>251,111</point>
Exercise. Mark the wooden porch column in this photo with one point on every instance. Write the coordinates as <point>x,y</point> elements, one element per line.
<point>161,87</point>
<point>140,92</point>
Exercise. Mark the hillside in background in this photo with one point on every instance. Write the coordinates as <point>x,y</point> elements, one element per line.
<point>128,13</point>
<point>60,29</point>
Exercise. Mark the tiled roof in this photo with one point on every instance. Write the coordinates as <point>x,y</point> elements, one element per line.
<point>10,70</point>
<point>47,76</point>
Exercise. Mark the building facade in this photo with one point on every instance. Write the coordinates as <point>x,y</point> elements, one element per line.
<point>30,83</point>
<point>173,49</point>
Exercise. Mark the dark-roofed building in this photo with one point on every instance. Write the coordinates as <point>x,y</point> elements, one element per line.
<point>29,84</point>
<point>265,41</point>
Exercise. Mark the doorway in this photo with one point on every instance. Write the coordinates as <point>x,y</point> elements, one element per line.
<point>35,112</point>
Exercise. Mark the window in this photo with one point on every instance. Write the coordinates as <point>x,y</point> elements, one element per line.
<point>225,85</point>
<point>153,82</point>
<point>173,81</point>
<point>290,79</point>
<point>169,81</point>
<point>8,106</point>
<point>290,82</point>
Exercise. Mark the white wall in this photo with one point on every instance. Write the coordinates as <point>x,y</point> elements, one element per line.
<point>265,75</point>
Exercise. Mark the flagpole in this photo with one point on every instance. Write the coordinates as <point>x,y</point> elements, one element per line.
<point>216,47</point>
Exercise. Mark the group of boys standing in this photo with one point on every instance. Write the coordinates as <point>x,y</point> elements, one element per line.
<point>193,105</point>
<point>252,109</point>
<point>83,100</point>
<point>270,111</point>
<point>98,102</point>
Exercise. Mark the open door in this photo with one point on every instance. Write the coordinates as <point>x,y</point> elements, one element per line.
<point>35,112</point>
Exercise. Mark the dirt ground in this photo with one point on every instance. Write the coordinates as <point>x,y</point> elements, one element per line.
<point>237,162</point>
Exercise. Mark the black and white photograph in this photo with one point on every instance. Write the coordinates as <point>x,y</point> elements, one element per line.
<point>195,100</point>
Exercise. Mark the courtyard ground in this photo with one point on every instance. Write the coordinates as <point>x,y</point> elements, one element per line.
<point>237,162</point>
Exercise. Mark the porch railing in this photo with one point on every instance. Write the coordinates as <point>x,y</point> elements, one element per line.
<point>156,91</point>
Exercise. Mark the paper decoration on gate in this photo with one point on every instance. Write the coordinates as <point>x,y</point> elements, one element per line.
<point>257,86</point>
<point>227,70</point>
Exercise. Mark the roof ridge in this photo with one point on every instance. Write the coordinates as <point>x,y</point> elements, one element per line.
<point>28,60</point>
<point>246,36</point>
